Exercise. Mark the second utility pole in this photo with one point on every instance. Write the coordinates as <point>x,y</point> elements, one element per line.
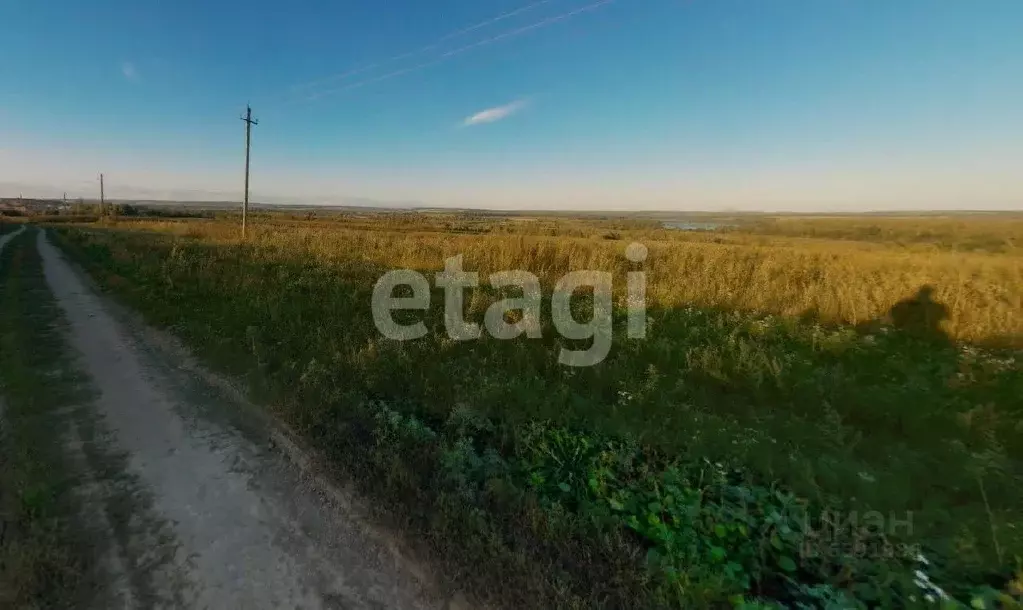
<point>249,122</point>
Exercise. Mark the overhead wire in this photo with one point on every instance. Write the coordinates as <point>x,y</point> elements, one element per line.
<point>414,53</point>
<point>464,49</point>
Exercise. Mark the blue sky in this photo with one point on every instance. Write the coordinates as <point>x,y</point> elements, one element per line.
<point>620,104</point>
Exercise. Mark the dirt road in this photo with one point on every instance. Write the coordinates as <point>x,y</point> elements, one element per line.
<point>198,508</point>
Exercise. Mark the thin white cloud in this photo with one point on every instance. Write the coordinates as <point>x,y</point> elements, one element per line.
<point>455,52</point>
<point>129,71</point>
<point>491,115</point>
<point>320,82</point>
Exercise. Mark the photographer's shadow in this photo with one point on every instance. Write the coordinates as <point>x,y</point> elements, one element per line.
<point>919,316</point>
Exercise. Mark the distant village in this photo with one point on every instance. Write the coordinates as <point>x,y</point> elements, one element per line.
<point>24,206</point>
<point>27,206</point>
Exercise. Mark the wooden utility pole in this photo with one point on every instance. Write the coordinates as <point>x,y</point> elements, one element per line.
<point>249,122</point>
<point>102,198</point>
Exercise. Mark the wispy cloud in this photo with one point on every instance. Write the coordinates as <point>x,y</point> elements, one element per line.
<point>491,115</point>
<point>129,70</point>
<point>320,82</point>
<point>460,50</point>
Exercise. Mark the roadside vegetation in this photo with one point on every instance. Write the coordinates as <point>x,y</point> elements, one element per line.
<point>819,422</point>
<point>44,557</point>
<point>8,224</point>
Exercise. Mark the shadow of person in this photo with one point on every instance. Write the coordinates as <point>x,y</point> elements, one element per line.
<point>920,315</point>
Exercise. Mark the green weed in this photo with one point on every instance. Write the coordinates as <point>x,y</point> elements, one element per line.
<point>731,458</point>
<point>44,562</point>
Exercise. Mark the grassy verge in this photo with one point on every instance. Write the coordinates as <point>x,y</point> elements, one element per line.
<point>8,225</point>
<point>730,458</point>
<point>44,562</point>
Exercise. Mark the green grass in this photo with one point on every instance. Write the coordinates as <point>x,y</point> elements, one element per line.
<point>697,467</point>
<point>6,226</point>
<point>44,556</point>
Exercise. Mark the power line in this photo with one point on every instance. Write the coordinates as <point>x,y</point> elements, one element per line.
<point>455,34</point>
<point>448,55</point>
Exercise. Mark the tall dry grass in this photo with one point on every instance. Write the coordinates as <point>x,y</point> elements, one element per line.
<point>990,232</point>
<point>832,280</point>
